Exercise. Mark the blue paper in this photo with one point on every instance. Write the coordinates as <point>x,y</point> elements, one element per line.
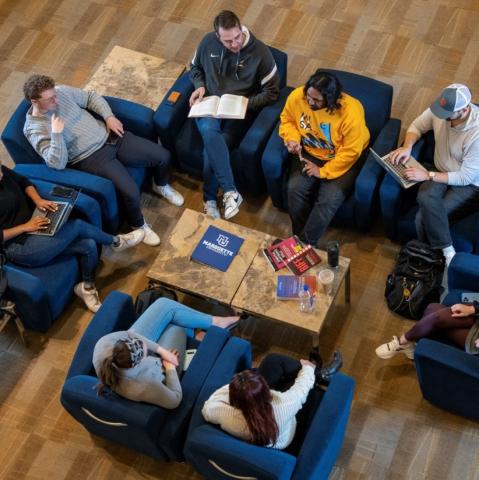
<point>217,248</point>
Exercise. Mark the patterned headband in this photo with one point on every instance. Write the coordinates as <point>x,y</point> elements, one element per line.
<point>137,350</point>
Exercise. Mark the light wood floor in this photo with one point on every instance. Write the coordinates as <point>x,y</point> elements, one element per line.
<point>418,47</point>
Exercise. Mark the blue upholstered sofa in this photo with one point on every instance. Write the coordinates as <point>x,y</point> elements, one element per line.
<point>149,429</point>
<point>448,376</point>
<point>361,208</point>
<point>136,118</point>
<point>399,207</point>
<point>180,135</point>
<point>42,293</point>
<point>216,455</point>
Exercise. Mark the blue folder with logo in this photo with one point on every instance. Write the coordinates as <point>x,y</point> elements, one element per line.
<point>217,248</point>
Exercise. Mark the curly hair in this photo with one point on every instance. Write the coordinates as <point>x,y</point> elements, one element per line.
<point>36,85</point>
<point>329,86</point>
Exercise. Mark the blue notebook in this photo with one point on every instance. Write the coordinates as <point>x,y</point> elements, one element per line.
<point>217,248</point>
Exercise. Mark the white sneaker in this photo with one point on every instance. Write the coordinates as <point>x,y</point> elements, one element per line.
<point>167,191</point>
<point>150,238</point>
<point>128,240</point>
<point>211,209</point>
<point>231,200</point>
<point>388,350</point>
<point>90,297</point>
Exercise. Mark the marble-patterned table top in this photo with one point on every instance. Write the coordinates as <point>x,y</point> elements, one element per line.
<point>173,266</point>
<point>249,284</point>
<point>257,294</point>
<point>135,76</point>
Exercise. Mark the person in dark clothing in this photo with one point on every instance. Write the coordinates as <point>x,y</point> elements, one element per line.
<point>229,60</point>
<point>18,199</point>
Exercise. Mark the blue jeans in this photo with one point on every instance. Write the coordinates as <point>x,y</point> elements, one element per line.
<point>111,161</point>
<point>160,314</point>
<point>76,237</point>
<point>441,205</point>
<point>165,321</point>
<point>219,136</point>
<point>313,202</point>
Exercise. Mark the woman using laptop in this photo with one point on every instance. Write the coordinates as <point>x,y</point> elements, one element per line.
<point>459,324</point>
<point>18,199</point>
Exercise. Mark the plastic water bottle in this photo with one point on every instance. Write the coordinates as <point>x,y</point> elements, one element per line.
<point>306,300</point>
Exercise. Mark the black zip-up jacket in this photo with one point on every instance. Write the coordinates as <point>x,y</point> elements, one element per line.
<point>251,72</point>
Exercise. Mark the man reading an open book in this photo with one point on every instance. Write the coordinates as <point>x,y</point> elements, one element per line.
<point>229,60</point>
<point>324,130</point>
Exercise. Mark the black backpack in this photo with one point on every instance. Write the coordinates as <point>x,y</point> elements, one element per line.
<point>150,295</point>
<point>416,280</point>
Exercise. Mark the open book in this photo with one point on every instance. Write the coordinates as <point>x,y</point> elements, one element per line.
<point>226,106</point>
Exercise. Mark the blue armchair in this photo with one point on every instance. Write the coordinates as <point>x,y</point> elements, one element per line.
<point>360,209</point>
<point>180,135</point>
<point>448,376</point>
<point>136,118</point>
<point>216,455</point>
<point>149,429</point>
<point>399,206</point>
<point>42,293</point>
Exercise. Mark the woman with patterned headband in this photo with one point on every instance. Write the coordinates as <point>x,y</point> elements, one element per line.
<point>143,363</point>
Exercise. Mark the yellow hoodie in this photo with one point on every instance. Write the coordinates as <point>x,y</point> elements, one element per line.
<point>338,138</point>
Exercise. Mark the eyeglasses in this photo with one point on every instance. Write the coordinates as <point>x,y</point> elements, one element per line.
<point>317,101</point>
<point>51,99</point>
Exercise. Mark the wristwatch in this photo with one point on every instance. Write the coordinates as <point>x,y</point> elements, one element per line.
<point>431,175</point>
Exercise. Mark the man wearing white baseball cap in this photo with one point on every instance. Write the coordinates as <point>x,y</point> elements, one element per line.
<point>450,189</point>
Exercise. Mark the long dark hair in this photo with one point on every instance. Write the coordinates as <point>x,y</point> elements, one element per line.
<point>250,393</point>
<point>109,375</point>
<point>329,86</point>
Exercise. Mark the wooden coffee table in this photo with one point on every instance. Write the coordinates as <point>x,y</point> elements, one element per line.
<point>249,284</point>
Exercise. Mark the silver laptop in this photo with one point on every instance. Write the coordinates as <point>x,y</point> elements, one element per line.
<point>57,218</point>
<point>469,297</point>
<point>398,171</point>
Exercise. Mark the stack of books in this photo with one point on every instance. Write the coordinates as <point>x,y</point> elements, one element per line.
<point>291,253</point>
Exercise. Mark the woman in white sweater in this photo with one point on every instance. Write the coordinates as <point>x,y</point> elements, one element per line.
<point>260,406</point>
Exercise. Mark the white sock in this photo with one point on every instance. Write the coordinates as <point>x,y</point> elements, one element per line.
<point>448,253</point>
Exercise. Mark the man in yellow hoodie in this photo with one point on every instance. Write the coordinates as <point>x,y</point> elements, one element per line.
<point>324,130</point>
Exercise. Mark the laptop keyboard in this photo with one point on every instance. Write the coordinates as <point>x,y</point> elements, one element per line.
<point>399,168</point>
<point>54,218</point>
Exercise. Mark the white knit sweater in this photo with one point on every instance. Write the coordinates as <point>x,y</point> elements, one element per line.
<point>286,405</point>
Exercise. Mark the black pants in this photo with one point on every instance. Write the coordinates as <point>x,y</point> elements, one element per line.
<point>280,373</point>
<point>313,202</point>
<point>111,161</point>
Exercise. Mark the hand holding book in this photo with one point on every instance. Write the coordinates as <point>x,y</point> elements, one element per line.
<point>227,106</point>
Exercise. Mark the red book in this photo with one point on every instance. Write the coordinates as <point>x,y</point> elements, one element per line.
<point>281,250</point>
<point>303,260</point>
